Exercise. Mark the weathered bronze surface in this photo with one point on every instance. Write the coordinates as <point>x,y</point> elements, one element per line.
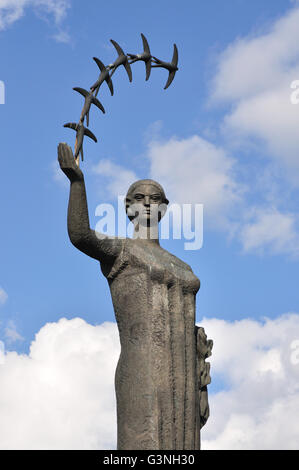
<point>161,377</point>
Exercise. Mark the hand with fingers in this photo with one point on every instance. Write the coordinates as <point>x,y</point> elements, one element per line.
<point>68,164</point>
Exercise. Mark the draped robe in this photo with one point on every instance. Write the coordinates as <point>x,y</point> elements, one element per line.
<point>156,380</point>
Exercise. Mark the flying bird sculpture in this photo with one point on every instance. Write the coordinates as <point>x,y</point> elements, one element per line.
<point>106,73</point>
<point>170,66</point>
<point>89,100</point>
<point>121,60</point>
<point>104,76</point>
<point>145,56</point>
<point>80,132</point>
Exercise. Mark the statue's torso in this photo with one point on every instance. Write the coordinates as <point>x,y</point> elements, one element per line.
<point>139,256</point>
<point>153,294</point>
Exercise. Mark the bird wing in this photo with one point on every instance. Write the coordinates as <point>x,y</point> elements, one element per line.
<point>117,47</point>
<point>71,125</point>
<point>98,104</point>
<point>145,44</point>
<point>110,84</point>
<point>90,134</point>
<point>128,69</point>
<point>99,64</point>
<point>148,67</point>
<point>82,92</point>
<point>175,56</point>
<point>170,78</point>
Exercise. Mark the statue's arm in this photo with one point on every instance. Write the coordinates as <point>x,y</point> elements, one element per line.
<point>81,235</point>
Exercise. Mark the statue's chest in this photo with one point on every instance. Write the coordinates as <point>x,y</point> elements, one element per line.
<point>159,265</point>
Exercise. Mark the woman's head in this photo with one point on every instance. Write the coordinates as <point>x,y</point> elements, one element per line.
<point>146,199</point>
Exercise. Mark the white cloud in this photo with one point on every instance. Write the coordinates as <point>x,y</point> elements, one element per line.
<point>254,76</point>
<point>258,408</point>
<point>270,117</point>
<point>253,79</point>
<point>62,36</point>
<point>61,395</point>
<point>270,230</point>
<point>119,178</point>
<point>11,333</point>
<point>13,10</point>
<point>67,397</point>
<point>57,8</point>
<point>3,296</point>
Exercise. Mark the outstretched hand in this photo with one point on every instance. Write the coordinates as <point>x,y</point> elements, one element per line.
<point>68,164</point>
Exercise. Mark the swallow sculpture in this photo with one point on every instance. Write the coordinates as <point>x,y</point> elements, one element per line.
<point>103,76</point>
<point>89,100</point>
<point>106,73</point>
<point>81,131</point>
<point>145,56</point>
<point>170,66</point>
<point>121,60</point>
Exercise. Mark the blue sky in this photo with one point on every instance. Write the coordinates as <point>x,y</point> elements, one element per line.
<point>224,134</point>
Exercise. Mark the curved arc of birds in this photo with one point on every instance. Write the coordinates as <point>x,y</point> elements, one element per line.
<point>106,73</point>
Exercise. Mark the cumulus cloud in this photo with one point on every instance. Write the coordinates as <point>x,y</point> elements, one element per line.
<point>272,231</point>
<point>3,296</point>
<point>13,10</point>
<point>256,409</point>
<point>254,76</point>
<point>61,395</point>
<point>253,79</point>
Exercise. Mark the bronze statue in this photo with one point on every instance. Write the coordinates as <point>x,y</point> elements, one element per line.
<point>161,378</point>
<point>157,379</point>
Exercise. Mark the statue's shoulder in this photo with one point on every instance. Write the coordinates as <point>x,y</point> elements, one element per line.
<point>178,261</point>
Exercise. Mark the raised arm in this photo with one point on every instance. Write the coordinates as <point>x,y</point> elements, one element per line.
<point>81,235</point>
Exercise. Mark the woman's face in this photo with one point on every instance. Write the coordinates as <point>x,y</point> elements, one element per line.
<point>144,204</point>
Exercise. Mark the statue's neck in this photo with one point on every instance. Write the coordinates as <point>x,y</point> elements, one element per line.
<point>148,234</point>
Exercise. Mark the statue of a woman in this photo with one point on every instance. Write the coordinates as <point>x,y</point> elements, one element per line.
<point>157,381</point>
